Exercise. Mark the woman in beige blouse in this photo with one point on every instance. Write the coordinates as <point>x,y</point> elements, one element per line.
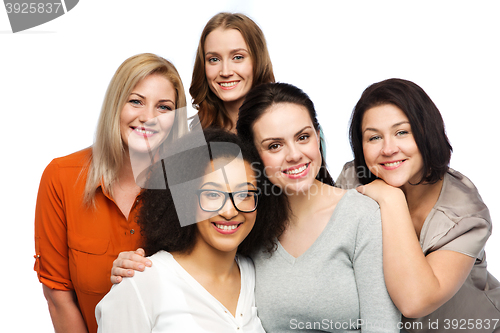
<point>435,224</point>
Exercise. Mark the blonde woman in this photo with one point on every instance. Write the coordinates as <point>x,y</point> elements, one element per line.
<point>87,200</point>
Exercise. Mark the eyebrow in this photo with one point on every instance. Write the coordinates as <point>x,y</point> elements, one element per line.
<point>161,100</point>
<point>232,51</point>
<point>395,125</point>
<point>217,185</point>
<point>296,134</point>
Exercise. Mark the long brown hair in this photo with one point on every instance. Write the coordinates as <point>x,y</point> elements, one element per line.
<point>211,110</point>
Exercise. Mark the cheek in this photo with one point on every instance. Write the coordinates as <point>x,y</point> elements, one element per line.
<point>369,154</point>
<point>272,165</point>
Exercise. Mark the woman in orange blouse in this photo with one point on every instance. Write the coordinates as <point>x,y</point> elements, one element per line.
<point>87,200</point>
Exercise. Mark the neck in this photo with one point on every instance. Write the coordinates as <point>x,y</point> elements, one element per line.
<point>418,194</point>
<point>305,202</point>
<point>126,174</point>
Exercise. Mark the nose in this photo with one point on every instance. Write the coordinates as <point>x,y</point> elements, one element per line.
<point>293,154</point>
<point>228,211</point>
<point>389,147</point>
<point>226,69</point>
<point>147,115</point>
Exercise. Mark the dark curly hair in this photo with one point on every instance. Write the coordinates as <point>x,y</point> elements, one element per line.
<point>158,218</point>
<point>261,98</point>
<point>425,120</point>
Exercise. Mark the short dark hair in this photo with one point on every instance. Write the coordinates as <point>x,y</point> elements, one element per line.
<point>261,98</point>
<point>158,217</point>
<point>425,120</point>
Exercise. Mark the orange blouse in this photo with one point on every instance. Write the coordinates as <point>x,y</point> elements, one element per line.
<point>75,245</point>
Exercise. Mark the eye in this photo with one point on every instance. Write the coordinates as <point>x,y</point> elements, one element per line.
<point>303,137</point>
<point>402,133</point>
<point>212,195</point>
<point>238,57</point>
<point>135,102</point>
<point>244,195</point>
<point>374,138</point>
<point>212,60</point>
<point>274,146</point>
<point>165,108</point>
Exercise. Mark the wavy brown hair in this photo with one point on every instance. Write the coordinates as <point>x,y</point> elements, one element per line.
<point>211,110</point>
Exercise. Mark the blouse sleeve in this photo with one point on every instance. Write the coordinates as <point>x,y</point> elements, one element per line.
<point>347,178</point>
<point>123,310</point>
<point>468,236</point>
<point>377,311</point>
<point>51,245</point>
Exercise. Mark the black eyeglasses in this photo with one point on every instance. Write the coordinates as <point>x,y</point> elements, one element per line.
<point>213,200</point>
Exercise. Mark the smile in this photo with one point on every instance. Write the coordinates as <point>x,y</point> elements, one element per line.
<point>226,228</point>
<point>144,131</point>
<point>228,85</point>
<point>297,172</point>
<point>392,165</point>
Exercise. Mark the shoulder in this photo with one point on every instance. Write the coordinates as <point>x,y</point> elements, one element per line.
<point>460,199</point>
<point>245,264</point>
<point>76,160</point>
<point>152,277</point>
<point>460,221</point>
<point>358,204</point>
<point>348,178</point>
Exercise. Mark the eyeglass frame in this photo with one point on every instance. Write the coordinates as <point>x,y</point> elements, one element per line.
<point>230,195</point>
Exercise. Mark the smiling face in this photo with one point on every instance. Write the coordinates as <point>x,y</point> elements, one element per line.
<point>389,148</point>
<point>224,229</point>
<point>228,65</point>
<point>289,147</point>
<point>148,115</point>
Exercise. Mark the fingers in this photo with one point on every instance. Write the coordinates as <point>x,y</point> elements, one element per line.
<point>361,189</point>
<point>128,262</point>
<point>140,251</point>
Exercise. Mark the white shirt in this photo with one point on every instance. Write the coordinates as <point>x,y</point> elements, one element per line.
<point>166,298</point>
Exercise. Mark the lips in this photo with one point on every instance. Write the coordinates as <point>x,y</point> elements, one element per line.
<point>227,227</point>
<point>144,131</point>
<point>391,165</point>
<point>298,171</point>
<point>228,85</point>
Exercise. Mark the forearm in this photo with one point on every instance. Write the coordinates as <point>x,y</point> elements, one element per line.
<point>64,311</point>
<point>410,280</point>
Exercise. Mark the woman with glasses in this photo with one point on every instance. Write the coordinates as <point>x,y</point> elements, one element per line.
<point>196,231</point>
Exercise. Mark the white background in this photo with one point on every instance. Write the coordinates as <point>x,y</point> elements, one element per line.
<point>53,78</point>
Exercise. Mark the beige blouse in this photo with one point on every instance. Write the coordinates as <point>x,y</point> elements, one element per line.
<point>459,221</point>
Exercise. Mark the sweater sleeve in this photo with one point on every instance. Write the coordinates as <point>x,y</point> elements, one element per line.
<point>377,311</point>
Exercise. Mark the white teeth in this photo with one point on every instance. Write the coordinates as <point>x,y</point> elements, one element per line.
<point>228,84</point>
<point>392,164</point>
<point>226,227</point>
<point>143,131</point>
<point>296,171</point>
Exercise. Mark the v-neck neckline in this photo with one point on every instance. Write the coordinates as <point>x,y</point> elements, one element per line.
<point>196,285</point>
<point>290,258</point>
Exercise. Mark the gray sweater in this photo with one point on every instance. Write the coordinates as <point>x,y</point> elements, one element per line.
<point>337,285</point>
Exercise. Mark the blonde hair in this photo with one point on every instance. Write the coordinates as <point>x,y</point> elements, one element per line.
<point>211,110</point>
<point>108,150</point>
